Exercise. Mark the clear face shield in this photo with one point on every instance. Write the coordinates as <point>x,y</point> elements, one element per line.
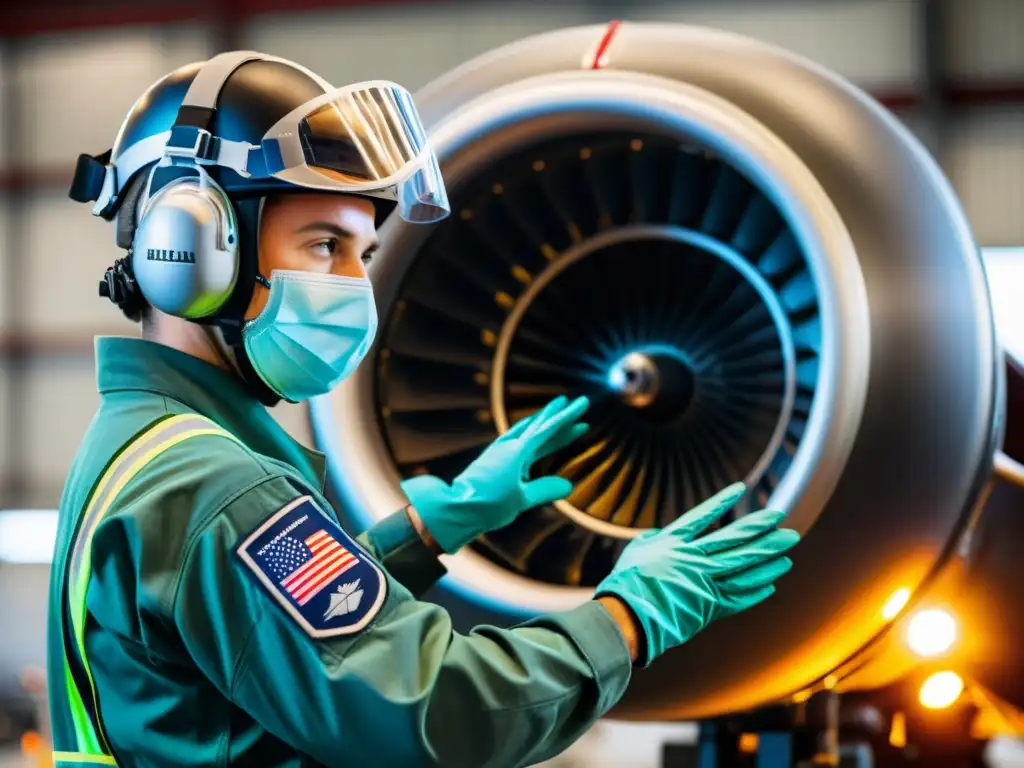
<point>365,139</point>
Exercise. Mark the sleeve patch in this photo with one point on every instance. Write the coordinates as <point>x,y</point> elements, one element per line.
<point>317,572</point>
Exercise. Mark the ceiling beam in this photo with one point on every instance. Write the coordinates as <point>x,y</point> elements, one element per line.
<point>54,16</point>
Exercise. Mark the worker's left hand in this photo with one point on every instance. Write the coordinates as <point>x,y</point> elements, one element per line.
<point>495,489</point>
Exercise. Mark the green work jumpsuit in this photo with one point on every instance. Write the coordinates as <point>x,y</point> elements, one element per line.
<point>207,646</point>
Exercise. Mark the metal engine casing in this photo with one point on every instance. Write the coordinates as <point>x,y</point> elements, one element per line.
<point>907,405</point>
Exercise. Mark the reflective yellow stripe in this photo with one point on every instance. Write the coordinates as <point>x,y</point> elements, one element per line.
<point>131,460</point>
<point>89,741</point>
<point>85,734</point>
<point>77,758</point>
<point>90,518</point>
<point>129,473</point>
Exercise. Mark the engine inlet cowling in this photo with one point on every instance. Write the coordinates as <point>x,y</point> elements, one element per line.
<point>754,273</point>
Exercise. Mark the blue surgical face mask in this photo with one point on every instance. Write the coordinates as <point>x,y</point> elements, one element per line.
<point>313,332</point>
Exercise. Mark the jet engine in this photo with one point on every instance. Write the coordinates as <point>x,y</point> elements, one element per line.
<point>756,273</point>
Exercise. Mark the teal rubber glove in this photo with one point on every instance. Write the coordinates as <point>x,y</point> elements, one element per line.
<point>676,583</point>
<point>496,488</point>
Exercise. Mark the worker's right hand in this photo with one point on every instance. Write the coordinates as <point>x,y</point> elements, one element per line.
<point>496,488</point>
<point>676,583</point>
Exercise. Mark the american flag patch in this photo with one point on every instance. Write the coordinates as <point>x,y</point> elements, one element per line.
<point>315,570</point>
<point>305,567</point>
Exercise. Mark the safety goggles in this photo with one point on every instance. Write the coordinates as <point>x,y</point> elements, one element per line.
<point>364,139</point>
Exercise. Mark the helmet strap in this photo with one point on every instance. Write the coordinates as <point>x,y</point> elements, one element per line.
<point>227,337</point>
<point>231,319</point>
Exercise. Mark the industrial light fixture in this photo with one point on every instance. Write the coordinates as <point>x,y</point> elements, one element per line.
<point>931,632</point>
<point>941,690</point>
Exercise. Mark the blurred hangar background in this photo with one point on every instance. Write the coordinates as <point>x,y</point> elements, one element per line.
<point>953,70</point>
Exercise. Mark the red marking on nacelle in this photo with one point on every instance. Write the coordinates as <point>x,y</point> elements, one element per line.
<point>600,59</point>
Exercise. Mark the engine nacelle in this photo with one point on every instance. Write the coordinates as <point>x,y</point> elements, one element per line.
<point>755,272</point>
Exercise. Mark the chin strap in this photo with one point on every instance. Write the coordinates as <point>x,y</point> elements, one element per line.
<point>227,336</point>
<point>227,325</point>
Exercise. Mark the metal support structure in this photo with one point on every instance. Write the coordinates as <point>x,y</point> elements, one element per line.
<point>935,76</point>
<point>832,731</point>
<point>14,363</point>
<point>229,19</point>
<point>800,735</point>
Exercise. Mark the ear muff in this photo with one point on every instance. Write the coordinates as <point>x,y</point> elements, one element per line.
<point>185,253</point>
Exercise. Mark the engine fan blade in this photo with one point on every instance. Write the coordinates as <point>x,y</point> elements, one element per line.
<point>425,436</point>
<point>517,542</point>
<point>421,385</point>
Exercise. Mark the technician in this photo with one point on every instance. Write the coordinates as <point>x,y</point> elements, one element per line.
<point>207,609</point>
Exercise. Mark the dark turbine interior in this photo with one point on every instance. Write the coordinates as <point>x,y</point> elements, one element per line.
<point>678,350</point>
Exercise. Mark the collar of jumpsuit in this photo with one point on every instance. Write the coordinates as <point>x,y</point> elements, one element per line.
<point>126,365</point>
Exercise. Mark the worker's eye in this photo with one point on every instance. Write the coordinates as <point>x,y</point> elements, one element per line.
<point>368,256</point>
<point>326,247</point>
